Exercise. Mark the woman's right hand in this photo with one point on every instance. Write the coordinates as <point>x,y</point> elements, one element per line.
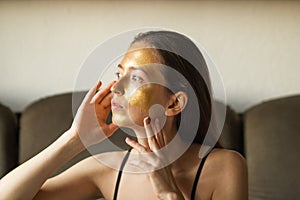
<point>30,180</point>
<point>89,124</point>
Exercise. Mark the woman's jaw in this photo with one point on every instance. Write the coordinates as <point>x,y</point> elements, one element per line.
<point>167,127</point>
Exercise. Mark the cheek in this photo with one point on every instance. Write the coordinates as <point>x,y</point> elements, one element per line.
<point>141,98</point>
<point>140,103</point>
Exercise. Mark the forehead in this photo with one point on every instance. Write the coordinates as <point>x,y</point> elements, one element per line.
<point>139,55</point>
<point>146,59</point>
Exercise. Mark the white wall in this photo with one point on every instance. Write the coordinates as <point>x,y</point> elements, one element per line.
<point>255,44</point>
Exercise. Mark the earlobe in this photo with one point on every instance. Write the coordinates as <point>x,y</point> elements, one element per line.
<point>177,103</point>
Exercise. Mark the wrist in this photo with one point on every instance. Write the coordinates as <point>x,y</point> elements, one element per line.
<point>73,140</point>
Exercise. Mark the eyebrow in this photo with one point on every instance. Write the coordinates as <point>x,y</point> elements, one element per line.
<point>133,68</point>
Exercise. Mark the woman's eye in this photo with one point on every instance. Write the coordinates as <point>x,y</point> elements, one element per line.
<point>118,75</point>
<point>137,78</point>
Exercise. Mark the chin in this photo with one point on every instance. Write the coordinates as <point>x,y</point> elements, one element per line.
<point>120,120</point>
<point>126,121</point>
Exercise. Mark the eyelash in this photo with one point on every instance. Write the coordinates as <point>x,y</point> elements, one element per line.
<point>133,77</point>
<point>137,78</point>
<point>118,74</point>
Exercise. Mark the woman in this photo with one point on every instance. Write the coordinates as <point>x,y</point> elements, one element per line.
<point>154,71</point>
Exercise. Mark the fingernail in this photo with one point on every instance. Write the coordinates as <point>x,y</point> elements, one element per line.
<point>127,140</point>
<point>147,120</point>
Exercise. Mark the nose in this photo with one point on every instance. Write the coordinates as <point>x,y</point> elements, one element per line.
<point>118,87</point>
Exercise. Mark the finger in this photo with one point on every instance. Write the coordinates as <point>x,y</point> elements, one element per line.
<point>92,91</point>
<point>158,134</point>
<point>108,94</point>
<point>103,109</point>
<point>101,94</point>
<point>106,101</point>
<point>135,145</point>
<point>150,135</point>
<point>141,165</point>
<point>149,159</point>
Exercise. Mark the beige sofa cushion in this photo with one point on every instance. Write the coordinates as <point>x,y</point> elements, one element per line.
<point>272,138</point>
<point>232,133</point>
<point>8,140</point>
<point>45,120</point>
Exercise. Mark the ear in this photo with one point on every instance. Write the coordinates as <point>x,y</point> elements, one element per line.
<point>176,104</point>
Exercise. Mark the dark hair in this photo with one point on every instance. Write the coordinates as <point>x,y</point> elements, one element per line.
<point>180,53</point>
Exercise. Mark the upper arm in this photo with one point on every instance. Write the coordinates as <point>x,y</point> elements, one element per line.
<point>76,182</point>
<point>234,176</point>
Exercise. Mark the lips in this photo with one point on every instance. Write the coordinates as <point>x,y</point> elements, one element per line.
<point>116,106</point>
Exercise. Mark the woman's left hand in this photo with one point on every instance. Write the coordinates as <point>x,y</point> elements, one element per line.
<point>151,160</point>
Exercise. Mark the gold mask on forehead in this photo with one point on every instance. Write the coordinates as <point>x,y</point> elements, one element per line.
<point>137,56</point>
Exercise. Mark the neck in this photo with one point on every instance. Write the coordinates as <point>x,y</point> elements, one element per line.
<point>178,146</point>
<point>168,132</point>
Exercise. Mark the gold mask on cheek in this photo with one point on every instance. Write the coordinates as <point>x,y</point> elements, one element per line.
<point>141,98</point>
<point>141,101</point>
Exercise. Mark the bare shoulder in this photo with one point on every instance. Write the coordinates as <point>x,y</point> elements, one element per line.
<point>95,166</point>
<point>92,175</point>
<point>112,159</point>
<point>230,171</point>
<point>104,163</point>
<point>230,160</point>
<point>107,168</point>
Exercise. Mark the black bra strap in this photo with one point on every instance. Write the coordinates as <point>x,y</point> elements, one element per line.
<point>120,174</point>
<point>197,177</point>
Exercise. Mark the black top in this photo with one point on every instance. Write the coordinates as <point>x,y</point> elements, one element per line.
<point>125,160</point>
<point>120,174</point>
<point>197,177</point>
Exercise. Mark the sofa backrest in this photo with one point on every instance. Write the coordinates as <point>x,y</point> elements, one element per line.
<point>232,133</point>
<point>272,144</point>
<point>8,140</point>
<point>45,120</point>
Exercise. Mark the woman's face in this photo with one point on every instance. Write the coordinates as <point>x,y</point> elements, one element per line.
<point>138,87</point>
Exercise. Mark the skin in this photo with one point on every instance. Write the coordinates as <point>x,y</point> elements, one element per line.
<point>142,99</point>
<point>136,95</point>
<point>224,174</point>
